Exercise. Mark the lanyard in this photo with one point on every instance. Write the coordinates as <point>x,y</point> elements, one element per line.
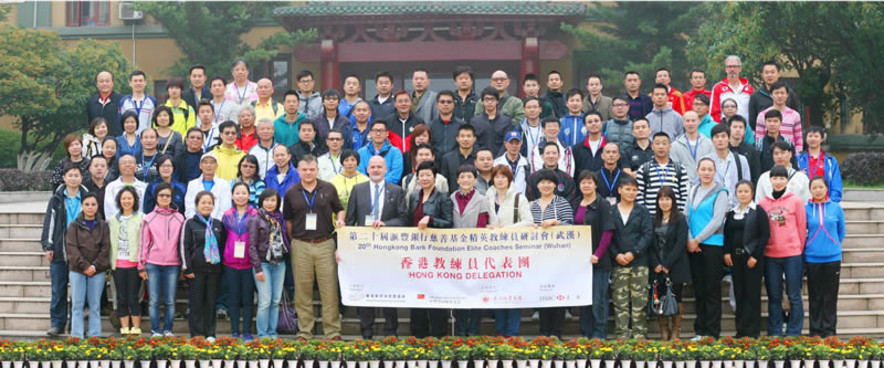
<point>219,108</point>
<point>533,138</point>
<point>145,168</point>
<point>334,167</point>
<point>208,141</point>
<point>310,202</point>
<point>694,150</point>
<point>665,175</point>
<point>239,221</point>
<point>138,108</point>
<point>377,196</point>
<point>610,184</point>
<point>242,96</point>
<point>815,167</point>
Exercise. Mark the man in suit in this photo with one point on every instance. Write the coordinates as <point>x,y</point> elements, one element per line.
<point>377,203</point>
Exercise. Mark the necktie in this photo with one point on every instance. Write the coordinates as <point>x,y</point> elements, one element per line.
<point>376,207</point>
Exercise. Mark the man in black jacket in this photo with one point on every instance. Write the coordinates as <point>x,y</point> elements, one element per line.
<point>197,90</point>
<point>566,188</point>
<point>554,93</point>
<point>445,127</point>
<point>106,104</point>
<point>464,154</point>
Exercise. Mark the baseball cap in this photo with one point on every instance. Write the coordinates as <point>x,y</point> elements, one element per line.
<point>513,134</point>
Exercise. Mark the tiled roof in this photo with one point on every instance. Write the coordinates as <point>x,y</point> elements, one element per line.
<point>351,8</point>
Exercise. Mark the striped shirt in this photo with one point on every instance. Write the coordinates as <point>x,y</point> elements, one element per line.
<point>558,209</point>
<point>651,176</point>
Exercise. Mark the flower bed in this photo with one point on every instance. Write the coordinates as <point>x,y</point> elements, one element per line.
<point>441,353</point>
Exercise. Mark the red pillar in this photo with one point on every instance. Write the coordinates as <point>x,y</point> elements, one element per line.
<point>530,62</point>
<point>328,65</point>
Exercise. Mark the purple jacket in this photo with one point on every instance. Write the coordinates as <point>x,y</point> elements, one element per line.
<point>237,230</point>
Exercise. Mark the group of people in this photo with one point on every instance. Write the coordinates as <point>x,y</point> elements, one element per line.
<point>241,195</point>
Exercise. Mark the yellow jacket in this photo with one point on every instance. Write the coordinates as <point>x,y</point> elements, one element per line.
<point>228,159</point>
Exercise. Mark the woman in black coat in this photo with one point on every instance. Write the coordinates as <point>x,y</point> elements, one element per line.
<point>429,207</point>
<point>668,258</point>
<point>746,232</point>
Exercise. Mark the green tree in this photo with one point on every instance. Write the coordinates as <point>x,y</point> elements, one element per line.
<point>210,33</point>
<point>639,36</point>
<point>44,85</point>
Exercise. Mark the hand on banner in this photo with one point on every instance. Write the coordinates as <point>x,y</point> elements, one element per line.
<point>377,224</point>
<point>337,257</point>
<point>728,260</point>
<point>694,246</point>
<point>424,223</point>
<point>594,260</point>
<point>340,223</point>
<point>751,262</point>
<point>548,223</point>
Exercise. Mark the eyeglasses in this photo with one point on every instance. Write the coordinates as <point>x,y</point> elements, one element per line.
<point>732,66</point>
<point>248,166</point>
<point>333,139</point>
<point>164,195</point>
<point>305,81</point>
<point>378,130</point>
<point>445,102</point>
<point>228,133</point>
<point>620,105</point>
<point>489,99</point>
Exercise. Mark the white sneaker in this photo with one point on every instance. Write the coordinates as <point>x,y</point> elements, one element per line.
<point>211,339</point>
<point>535,315</point>
<point>168,334</point>
<point>697,338</point>
<point>155,334</point>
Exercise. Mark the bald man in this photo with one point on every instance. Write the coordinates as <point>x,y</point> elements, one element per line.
<point>507,105</point>
<point>264,106</point>
<point>105,103</point>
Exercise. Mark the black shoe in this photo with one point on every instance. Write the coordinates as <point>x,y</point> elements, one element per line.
<point>54,331</point>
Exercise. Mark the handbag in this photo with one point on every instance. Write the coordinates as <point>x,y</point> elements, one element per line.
<point>663,301</point>
<point>288,320</point>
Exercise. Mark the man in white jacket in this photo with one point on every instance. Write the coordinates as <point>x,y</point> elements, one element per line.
<point>220,188</point>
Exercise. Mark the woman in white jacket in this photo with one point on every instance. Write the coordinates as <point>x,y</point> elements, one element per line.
<point>513,210</point>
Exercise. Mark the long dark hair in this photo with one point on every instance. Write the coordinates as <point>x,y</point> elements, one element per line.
<point>674,214</point>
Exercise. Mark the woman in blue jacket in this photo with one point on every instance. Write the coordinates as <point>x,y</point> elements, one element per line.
<point>822,254</point>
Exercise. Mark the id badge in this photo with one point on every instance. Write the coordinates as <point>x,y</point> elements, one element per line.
<point>310,223</point>
<point>369,219</point>
<point>612,200</point>
<point>239,249</point>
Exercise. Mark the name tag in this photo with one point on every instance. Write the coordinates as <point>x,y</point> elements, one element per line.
<point>611,200</point>
<point>310,223</point>
<point>239,249</point>
<point>369,219</point>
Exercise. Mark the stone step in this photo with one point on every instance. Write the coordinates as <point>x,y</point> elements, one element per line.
<point>21,304</point>
<point>22,218</point>
<point>862,211</point>
<point>18,231</point>
<point>862,255</point>
<point>862,270</point>
<point>23,259</point>
<point>863,240</point>
<point>25,289</point>
<point>875,226</point>
<point>20,245</point>
<point>24,273</point>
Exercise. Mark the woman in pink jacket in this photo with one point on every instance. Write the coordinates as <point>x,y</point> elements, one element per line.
<point>159,261</point>
<point>788,232</point>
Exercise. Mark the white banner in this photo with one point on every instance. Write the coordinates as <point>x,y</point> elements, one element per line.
<point>465,268</point>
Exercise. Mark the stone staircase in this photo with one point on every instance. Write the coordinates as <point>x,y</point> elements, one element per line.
<point>25,286</point>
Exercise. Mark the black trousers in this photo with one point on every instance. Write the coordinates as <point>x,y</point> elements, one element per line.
<point>203,294</point>
<point>366,321</point>
<point>551,321</point>
<point>707,269</point>
<point>428,322</point>
<point>822,293</point>
<point>747,292</point>
<point>128,283</point>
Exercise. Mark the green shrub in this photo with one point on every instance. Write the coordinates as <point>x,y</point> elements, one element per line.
<point>864,168</point>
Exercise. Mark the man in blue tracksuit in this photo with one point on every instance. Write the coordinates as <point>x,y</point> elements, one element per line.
<point>380,146</point>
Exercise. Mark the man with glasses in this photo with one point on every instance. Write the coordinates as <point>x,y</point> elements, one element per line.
<point>619,128</point>
<point>733,87</point>
<point>381,146</point>
<point>508,105</point>
<point>227,153</point>
<point>188,160</point>
<point>444,127</point>
<point>491,125</point>
<point>330,162</point>
<point>311,102</point>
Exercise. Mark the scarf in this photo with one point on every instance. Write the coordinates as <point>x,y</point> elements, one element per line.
<point>210,249</point>
<point>276,246</point>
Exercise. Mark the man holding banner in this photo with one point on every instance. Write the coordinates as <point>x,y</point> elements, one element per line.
<point>377,204</point>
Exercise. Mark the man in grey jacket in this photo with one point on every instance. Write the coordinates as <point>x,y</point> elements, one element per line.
<point>423,101</point>
<point>311,101</point>
<point>663,118</point>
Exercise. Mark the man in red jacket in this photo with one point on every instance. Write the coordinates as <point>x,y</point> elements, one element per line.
<point>698,85</point>
<point>731,86</point>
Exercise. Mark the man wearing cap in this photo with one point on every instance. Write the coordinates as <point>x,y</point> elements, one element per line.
<point>308,209</point>
<point>219,187</point>
<point>512,143</point>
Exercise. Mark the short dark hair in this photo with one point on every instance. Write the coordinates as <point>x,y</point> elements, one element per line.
<point>380,75</point>
<point>702,97</point>
<point>548,144</point>
<point>247,158</point>
<point>331,92</point>
<point>267,193</point>
<point>424,146</point>
<point>95,121</point>
<point>551,72</point>
<point>779,84</point>
<point>628,180</point>
<point>467,168</point>
<point>782,146</point>
<point>587,174</point>
<point>201,194</point>
<point>193,130</point>
<point>137,73</point>
<point>92,195</point>
<point>70,166</point>
<point>593,75</point>
<point>148,129</point>
<point>573,91</point>
<point>469,127</point>
<point>546,174</point>
<point>303,74</point>
<point>347,153</point>
<point>660,86</point>
<point>307,122</point>
<point>663,69</point>
<point>334,130</point>
<point>291,92</point>
<point>530,98</point>
<point>745,182</point>
<point>175,82</point>
<point>490,91</point>
<point>778,171</point>
<point>160,187</point>
<point>773,113</point>
<point>771,63</point>
<point>815,129</point>
<point>133,192</point>
<point>443,93</point>
<point>529,77</point>
<point>354,76</point>
<point>593,112</point>
<point>427,165</point>
<point>549,119</point>
<point>197,66</point>
<point>167,110</point>
<point>701,71</point>
<point>738,118</point>
<point>661,134</point>
<point>218,77</point>
<point>483,149</point>
<point>230,124</point>
<point>641,118</point>
<point>377,122</point>
<point>628,72</point>
<point>621,98</point>
<point>205,102</point>
<point>718,129</point>
<point>463,69</point>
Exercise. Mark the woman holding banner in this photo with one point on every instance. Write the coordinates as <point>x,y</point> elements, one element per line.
<point>429,207</point>
<point>513,210</point>
<point>550,210</point>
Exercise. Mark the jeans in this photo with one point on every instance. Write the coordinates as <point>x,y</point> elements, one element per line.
<point>793,268</point>
<point>594,318</point>
<point>241,297</point>
<point>466,321</point>
<point>58,309</point>
<point>507,321</point>
<point>269,296</point>
<point>161,280</point>
<point>86,289</point>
